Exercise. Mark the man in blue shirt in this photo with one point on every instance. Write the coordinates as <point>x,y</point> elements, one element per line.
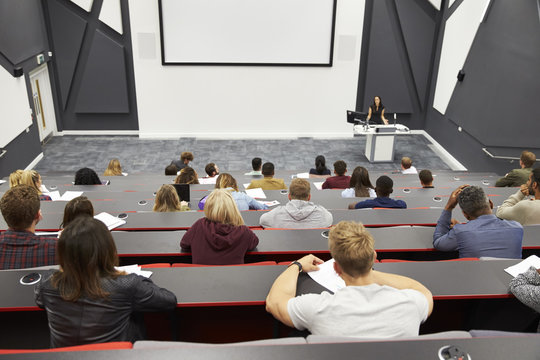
<point>383,189</point>
<point>483,235</point>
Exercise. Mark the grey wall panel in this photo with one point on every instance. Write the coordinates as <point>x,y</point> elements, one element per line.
<point>385,76</point>
<point>102,91</point>
<point>498,98</point>
<point>22,32</point>
<point>20,152</point>
<point>106,92</point>
<point>417,19</point>
<point>67,29</point>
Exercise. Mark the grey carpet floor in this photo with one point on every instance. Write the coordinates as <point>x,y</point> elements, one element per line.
<point>65,154</point>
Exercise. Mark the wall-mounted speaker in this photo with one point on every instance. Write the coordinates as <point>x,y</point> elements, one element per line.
<point>461,75</point>
<point>18,72</point>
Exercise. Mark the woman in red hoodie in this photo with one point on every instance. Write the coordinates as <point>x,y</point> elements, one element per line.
<point>220,238</point>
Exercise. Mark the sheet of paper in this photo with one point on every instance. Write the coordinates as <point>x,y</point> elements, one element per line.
<point>246,185</point>
<point>207,181</point>
<point>523,266</point>
<point>327,277</point>
<point>44,189</point>
<point>270,203</point>
<point>134,269</point>
<point>303,175</point>
<point>318,184</point>
<point>70,195</point>
<point>55,195</point>
<point>48,233</point>
<point>257,193</point>
<point>110,221</point>
<point>2,181</point>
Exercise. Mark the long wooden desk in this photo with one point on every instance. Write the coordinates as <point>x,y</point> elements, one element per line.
<point>249,285</point>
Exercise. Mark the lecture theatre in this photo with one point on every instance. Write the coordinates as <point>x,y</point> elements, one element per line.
<point>275,179</point>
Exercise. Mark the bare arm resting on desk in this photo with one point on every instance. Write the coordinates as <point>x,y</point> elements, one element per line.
<point>284,288</point>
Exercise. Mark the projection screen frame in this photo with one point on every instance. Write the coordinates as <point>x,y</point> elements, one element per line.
<point>170,63</point>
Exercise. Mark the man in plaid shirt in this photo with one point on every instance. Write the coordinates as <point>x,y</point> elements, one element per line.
<point>20,247</point>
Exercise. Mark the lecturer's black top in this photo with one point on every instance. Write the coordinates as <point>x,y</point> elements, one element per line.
<point>376,115</point>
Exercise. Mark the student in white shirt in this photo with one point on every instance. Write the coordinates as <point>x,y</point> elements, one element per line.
<point>372,305</point>
<point>406,166</point>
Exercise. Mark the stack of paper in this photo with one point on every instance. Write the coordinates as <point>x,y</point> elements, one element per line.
<point>134,269</point>
<point>257,193</point>
<point>207,181</point>
<point>303,175</point>
<point>523,266</point>
<point>110,221</point>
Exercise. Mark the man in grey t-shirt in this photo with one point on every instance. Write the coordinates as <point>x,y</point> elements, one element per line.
<point>371,305</point>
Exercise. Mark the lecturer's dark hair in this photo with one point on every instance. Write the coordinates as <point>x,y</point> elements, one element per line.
<point>320,165</point>
<point>373,106</point>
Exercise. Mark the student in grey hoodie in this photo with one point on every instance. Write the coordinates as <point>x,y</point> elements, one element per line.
<point>299,212</point>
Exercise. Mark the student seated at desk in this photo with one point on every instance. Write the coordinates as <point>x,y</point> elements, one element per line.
<point>88,300</point>
<point>167,200</point>
<point>483,235</point>
<point>220,238</point>
<point>340,180</point>
<point>256,165</point>
<point>268,182</point>
<point>359,185</point>
<point>187,176</point>
<point>243,200</point>
<point>526,288</point>
<point>15,178</point>
<point>87,176</point>
<point>426,179</point>
<point>299,212</point>
<point>33,179</point>
<point>114,168</point>
<point>383,187</point>
<point>373,304</point>
<point>20,247</point>
<point>79,206</point>
<point>320,169</point>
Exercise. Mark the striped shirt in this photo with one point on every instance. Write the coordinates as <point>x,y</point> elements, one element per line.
<point>23,249</point>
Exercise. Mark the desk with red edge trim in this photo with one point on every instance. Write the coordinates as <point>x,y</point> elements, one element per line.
<point>249,285</point>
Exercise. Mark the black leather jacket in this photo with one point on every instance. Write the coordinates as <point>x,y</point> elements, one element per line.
<point>102,320</point>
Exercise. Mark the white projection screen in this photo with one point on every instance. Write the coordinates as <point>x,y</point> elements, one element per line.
<point>247,32</point>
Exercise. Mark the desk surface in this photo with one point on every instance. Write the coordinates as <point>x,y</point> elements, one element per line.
<point>389,239</point>
<point>523,348</point>
<point>249,285</point>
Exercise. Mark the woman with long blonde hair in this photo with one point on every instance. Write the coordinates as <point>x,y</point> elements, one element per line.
<point>220,238</point>
<point>167,200</point>
<point>243,200</point>
<point>114,168</point>
<point>15,178</point>
<point>33,179</point>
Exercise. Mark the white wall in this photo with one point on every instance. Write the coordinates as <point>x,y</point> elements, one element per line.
<point>245,101</point>
<point>459,34</point>
<point>14,108</point>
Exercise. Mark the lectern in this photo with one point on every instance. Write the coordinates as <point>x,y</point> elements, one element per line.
<point>380,142</point>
